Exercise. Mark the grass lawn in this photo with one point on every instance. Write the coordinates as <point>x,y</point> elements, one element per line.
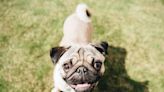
<point>133,28</point>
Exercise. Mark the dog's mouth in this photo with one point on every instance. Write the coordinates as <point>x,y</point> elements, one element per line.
<point>82,79</point>
<point>83,87</point>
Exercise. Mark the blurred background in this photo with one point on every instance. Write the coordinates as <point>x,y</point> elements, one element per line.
<point>134,30</point>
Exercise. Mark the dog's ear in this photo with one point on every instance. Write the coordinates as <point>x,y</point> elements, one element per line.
<point>56,53</point>
<point>102,47</point>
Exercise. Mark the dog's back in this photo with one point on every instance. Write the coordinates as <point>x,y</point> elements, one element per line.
<point>77,27</point>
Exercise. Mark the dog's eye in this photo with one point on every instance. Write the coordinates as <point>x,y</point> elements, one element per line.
<point>67,66</point>
<point>97,65</point>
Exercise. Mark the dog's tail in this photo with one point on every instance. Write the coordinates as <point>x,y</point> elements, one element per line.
<point>83,12</point>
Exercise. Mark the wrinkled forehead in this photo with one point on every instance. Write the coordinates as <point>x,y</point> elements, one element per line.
<point>83,51</point>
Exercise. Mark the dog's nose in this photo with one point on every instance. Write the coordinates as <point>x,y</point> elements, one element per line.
<point>82,70</point>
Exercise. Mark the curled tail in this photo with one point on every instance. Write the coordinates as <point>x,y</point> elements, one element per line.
<point>83,12</point>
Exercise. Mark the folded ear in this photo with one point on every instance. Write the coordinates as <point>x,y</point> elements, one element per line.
<point>102,47</point>
<point>56,53</point>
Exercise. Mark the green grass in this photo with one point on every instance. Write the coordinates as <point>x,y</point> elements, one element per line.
<point>133,28</point>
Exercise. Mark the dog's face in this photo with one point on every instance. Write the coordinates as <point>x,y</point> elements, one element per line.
<point>80,67</point>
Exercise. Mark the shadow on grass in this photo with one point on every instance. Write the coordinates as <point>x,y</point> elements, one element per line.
<point>116,78</point>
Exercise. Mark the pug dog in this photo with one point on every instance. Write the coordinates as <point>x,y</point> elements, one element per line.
<point>78,68</point>
<point>79,64</point>
<point>77,27</point>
